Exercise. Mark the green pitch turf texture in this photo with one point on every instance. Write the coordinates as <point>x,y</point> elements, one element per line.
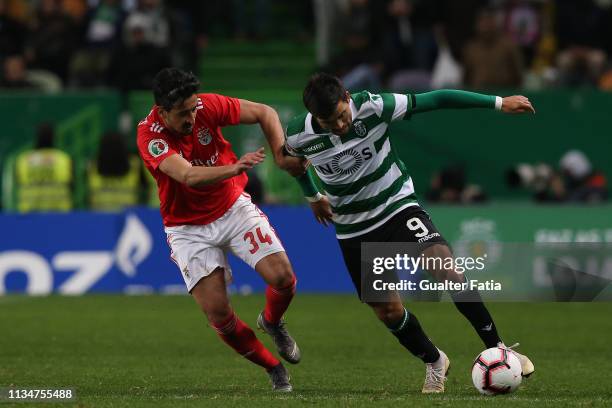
<point>155,351</point>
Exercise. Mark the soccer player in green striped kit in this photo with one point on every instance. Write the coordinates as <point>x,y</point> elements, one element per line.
<point>369,196</point>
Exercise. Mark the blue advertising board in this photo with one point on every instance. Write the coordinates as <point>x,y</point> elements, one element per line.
<point>87,252</point>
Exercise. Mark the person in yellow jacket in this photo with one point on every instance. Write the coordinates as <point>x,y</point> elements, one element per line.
<point>114,179</point>
<point>44,176</point>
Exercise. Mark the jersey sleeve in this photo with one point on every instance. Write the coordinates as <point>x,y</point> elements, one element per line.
<point>294,135</point>
<point>153,147</point>
<point>307,184</point>
<point>224,110</point>
<point>391,106</point>
<point>388,106</point>
<point>451,99</point>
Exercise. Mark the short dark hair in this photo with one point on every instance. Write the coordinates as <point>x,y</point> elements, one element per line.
<point>172,86</point>
<point>322,94</point>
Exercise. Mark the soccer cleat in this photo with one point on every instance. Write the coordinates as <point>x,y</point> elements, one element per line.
<point>527,366</point>
<point>286,346</point>
<point>435,375</point>
<point>279,376</point>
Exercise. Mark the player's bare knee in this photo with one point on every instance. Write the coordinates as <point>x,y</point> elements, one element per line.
<point>278,272</point>
<point>218,314</point>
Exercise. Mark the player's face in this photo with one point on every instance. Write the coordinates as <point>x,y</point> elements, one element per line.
<point>181,118</point>
<point>341,120</point>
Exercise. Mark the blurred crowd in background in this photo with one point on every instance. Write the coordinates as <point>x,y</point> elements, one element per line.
<point>397,45</point>
<point>479,44</point>
<point>376,44</point>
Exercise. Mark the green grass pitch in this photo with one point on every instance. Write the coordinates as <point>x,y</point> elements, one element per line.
<point>155,351</point>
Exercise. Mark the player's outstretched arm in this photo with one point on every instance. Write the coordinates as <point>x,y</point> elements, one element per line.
<point>266,116</point>
<point>456,99</point>
<point>196,176</point>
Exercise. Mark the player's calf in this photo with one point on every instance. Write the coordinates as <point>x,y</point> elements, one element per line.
<point>277,272</point>
<point>407,329</point>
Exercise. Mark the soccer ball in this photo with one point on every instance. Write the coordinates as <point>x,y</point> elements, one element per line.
<point>496,371</point>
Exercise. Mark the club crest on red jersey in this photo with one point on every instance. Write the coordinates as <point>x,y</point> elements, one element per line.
<point>204,136</point>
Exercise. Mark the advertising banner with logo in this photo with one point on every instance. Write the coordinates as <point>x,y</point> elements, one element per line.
<point>85,252</point>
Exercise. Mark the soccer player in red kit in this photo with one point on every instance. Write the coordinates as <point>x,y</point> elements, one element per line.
<point>206,212</point>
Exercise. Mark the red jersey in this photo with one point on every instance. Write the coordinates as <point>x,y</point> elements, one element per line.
<point>206,146</point>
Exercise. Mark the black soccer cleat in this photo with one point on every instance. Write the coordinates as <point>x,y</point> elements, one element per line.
<point>286,346</point>
<point>279,376</point>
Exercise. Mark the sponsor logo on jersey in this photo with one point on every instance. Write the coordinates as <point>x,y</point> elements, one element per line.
<point>314,148</point>
<point>360,128</point>
<point>347,162</point>
<point>204,136</point>
<point>157,147</point>
<point>208,163</point>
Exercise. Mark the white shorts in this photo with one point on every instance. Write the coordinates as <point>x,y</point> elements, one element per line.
<point>200,249</point>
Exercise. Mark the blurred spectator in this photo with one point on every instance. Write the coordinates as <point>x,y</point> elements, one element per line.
<point>410,47</point>
<point>459,20</point>
<point>43,176</point>
<point>114,179</point>
<point>53,38</point>
<point>581,183</point>
<point>75,9</point>
<point>189,30</point>
<point>134,64</point>
<point>151,18</point>
<point>522,23</point>
<point>12,32</point>
<point>409,37</point>
<point>102,33</point>
<point>449,186</point>
<point>447,72</point>
<point>359,61</point>
<point>575,181</point>
<point>255,27</point>
<point>543,70</point>
<point>15,74</point>
<point>491,60</point>
<point>584,31</point>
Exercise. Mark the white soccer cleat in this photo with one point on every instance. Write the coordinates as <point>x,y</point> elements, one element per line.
<point>435,375</point>
<point>527,366</point>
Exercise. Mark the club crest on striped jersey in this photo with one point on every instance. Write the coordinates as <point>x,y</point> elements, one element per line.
<point>360,128</point>
<point>347,162</point>
<point>157,147</point>
<point>204,136</point>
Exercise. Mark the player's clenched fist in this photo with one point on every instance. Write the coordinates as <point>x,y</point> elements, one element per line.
<point>517,104</point>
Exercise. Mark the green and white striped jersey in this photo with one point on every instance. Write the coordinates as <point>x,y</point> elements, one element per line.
<point>364,180</point>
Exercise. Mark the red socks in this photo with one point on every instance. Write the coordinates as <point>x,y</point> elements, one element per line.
<point>277,302</point>
<point>241,338</point>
